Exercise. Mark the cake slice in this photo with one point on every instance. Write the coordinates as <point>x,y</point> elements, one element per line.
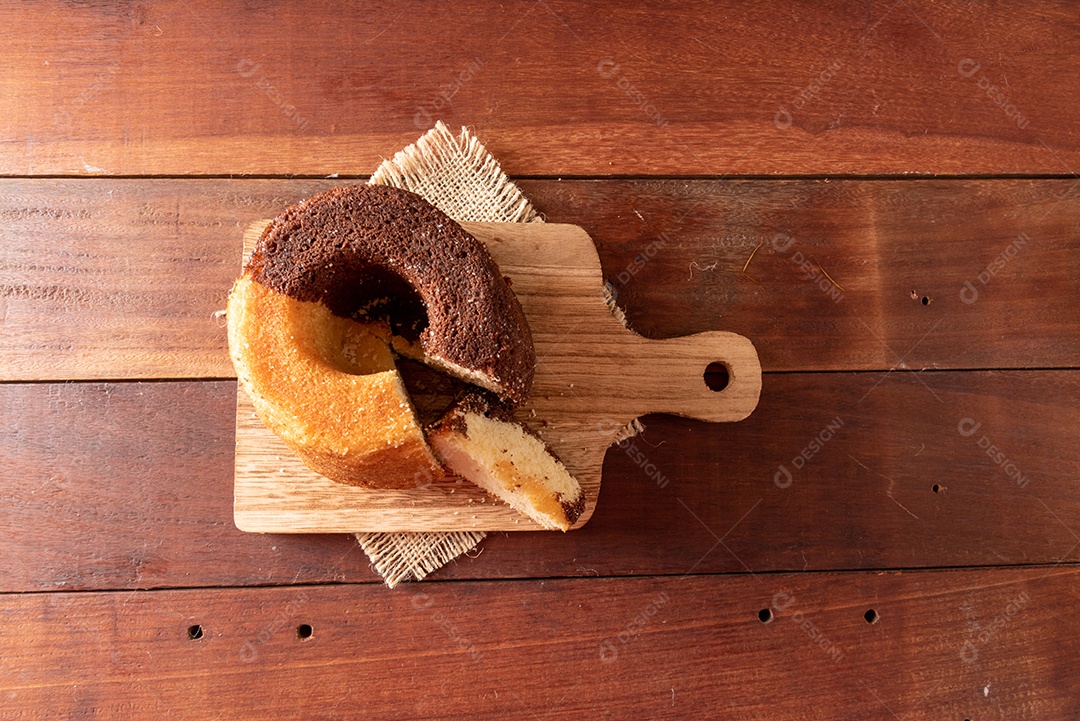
<point>479,440</point>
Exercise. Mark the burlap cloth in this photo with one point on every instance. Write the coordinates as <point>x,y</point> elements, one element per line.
<point>460,177</point>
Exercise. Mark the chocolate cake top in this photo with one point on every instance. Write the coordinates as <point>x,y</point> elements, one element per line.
<point>372,251</point>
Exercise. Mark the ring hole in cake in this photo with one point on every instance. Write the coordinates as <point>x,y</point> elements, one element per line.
<point>717,376</point>
<point>385,297</point>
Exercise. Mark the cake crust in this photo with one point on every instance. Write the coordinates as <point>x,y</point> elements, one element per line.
<point>328,388</point>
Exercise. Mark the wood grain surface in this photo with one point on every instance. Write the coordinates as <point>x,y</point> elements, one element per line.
<point>553,88</point>
<point>129,485</point>
<point>953,645</point>
<point>882,196</point>
<point>122,278</point>
<point>593,377</point>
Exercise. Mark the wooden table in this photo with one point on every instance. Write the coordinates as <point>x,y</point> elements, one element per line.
<point>882,196</point>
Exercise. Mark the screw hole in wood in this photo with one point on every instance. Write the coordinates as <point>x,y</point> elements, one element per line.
<point>871,616</point>
<point>765,615</point>
<point>717,376</point>
<point>304,631</point>
<point>195,632</point>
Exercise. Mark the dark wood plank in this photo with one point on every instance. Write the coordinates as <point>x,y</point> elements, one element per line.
<point>129,485</point>
<point>648,88</point>
<point>887,480</point>
<point>953,645</point>
<point>121,278</point>
<point>825,275</point>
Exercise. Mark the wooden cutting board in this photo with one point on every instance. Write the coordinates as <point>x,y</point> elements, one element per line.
<point>593,377</point>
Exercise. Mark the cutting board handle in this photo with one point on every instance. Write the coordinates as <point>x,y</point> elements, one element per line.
<point>670,376</point>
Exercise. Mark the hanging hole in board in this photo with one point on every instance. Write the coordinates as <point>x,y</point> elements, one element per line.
<point>195,632</point>
<point>717,376</point>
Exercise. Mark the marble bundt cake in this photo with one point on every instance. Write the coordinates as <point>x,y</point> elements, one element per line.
<point>333,282</point>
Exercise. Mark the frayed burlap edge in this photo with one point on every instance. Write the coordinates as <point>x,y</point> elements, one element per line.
<point>460,177</point>
<point>401,556</point>
<point>613,305</point>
